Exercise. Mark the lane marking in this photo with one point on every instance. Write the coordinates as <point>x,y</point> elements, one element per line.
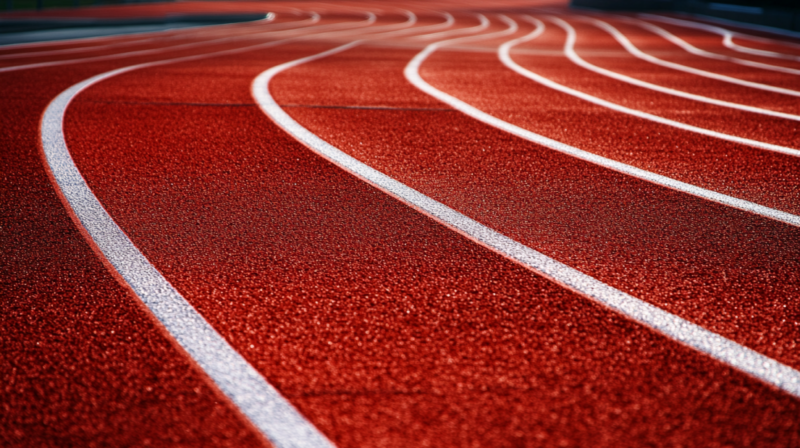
<point>449,21</point>
<point>727,37</point>
<point>482,25</point>
<point>706,54</point>
<point>503,53</point>
<point>189,33</point>
<point>370,20</point>
<point>412,74</point>
<point>714,345</point>
<point>261,403</point>
<point>632,49</point>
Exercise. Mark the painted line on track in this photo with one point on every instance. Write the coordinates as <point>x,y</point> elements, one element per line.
<point>689,48</point>
<point>632,49</point>
<point>263,405</point>
<point>718,347</point>
<point>503,53</point>
<point>727,37</point>
<point>484,23</point>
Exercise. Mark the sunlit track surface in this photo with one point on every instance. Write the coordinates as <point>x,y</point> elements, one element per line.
<point>408,223</point>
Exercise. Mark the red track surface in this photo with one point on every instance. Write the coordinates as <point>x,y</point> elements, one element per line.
<point>381,325</point>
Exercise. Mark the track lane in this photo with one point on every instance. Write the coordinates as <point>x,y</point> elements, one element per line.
<point>637,268</point>
<point>175,421</point>
<point>84,362</point>
<point>368,270</point>
<point>277,419</point>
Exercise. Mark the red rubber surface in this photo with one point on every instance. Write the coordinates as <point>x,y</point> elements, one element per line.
<point>679,252</point>
<point>382,326</point>
<point>82,362</point>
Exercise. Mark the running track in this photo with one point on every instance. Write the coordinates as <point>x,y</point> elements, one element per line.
<point>402,224</point>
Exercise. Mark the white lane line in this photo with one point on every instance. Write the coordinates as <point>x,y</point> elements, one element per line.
<point>412,74</point>
<point>482,25</point>
<point>727,37</point>
<point>449,21</point>
<point>706,54</point>
<point>718,347</point>
<point>568,50</point>
<point>370,20</point>
<point>632,49</point>
<point>188,33</point>
<point>272,414</point>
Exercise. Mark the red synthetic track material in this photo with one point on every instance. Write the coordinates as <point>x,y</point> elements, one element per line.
<point>383,327</point>
<point>82,362</point>
<point>697,259</point>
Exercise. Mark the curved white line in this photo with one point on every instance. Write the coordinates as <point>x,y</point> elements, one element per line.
<point>370,20</point>
<point>482,25</point>
<point>718,347</point>
<point>255,397</point>
<point>189,33</point>
<point>412,75</point>
<point>449,20</point>
<point>706,54</point>
<point>632,49</point>
<point>727,37</point>
<point>619,108</point>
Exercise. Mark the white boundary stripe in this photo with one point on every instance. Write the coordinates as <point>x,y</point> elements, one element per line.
<point>482,25</point>
<point>706,54</point>
<point>412,74</point>
<point>256,398</point>
<point>506,59</point>
<point>187,34</point>
<point>369,21</point>
<point>727,37</point>
<point>632,49</point>
<point>725,350</point>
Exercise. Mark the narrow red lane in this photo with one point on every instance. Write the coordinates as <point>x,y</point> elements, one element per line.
<point>697,259</point>
<point>382,326</point>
